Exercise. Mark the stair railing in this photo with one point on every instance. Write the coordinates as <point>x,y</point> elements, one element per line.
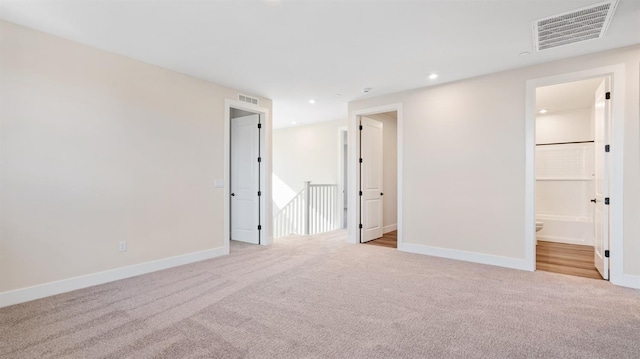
<point>313,210</point>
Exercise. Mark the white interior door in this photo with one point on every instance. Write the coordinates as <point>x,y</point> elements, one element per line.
<point>370,179</point>
<point>601,217</point>
<point>245,179</point>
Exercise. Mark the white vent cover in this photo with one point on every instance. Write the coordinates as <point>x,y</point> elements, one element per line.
<point>248,99</point>
<point>579,25</point>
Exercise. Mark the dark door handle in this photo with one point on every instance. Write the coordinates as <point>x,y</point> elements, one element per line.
<point>382,194</point>
<point>593,200</point>
<point>233,194</point>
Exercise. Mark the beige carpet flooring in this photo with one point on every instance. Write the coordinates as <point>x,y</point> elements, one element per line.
<point>321,298</point>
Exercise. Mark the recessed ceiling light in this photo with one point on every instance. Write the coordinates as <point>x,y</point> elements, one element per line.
<point>524,53</point>
<point>433,76</point>
<point>366,90</point>
<point>312,101</point>
<point>543,111</point>
<point>338,94</point>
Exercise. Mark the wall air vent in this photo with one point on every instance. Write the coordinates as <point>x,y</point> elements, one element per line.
<point>247,99</point>
<point>575,26</point>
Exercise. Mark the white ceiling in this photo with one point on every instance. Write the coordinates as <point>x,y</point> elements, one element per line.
<point>293,50</point>
<point>567,96</point>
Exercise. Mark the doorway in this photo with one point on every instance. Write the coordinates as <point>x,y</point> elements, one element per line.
<point>375,177</point>
<point>246,172</point>
<point>608,253</point>
<point>571,178</point>
<point>248,165</point>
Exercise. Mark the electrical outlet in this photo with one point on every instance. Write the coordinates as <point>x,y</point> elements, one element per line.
<point>122,246</point>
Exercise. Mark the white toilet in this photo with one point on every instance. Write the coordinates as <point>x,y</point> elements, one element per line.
<point>539,226</point>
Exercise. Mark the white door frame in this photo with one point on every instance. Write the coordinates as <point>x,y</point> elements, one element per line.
<point>266,216</point>
<point>353,208</point>
<point>341,184</point>
<point>617,75</point>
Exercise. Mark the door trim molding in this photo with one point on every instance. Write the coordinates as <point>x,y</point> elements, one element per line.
<point>266,216</point>
<point>354,175</point>
<point>341,183</point>
<point>616,230</point>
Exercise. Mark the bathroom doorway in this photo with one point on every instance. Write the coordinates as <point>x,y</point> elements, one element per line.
<point>380,210</point>
<point>571,177</point>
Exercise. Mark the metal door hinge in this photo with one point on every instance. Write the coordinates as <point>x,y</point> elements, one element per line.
<point>607,96</point>
<point>360,127</point>
<point>259,125</point>
<point>360,225</point>
<point>361,160</point>
<point>606,253</point>
<point>361,193</point>
<point>259,193</point>
<point>607,148</point>
<point>606,200</point>
<point>259,159</point>
<point>259,227</point>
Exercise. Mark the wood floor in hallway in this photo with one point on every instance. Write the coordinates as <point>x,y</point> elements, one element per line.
<point>572,259</point>
<point>389,240</point>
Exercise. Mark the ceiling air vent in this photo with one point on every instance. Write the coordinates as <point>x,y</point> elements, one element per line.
<point>247,99</point>
<point>579,25</point>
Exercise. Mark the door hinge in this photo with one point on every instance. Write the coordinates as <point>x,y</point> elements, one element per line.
<point>259,125</point>
<point>360,225</point>
<point>361,193</point>
<point>606,200</point>
<point>259,159</point>
<point>360,127</point>
<point>259,193</point>
<point>607,148</point>
<point>606,253</point>
<point>607,96</point>
<point>361,160</point>
<point>259,227</point>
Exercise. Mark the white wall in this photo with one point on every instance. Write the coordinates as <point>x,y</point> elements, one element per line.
<point>390,169</point>
<point>566,126</point>
<point>98,148</point>
<point>304,153</point>
<point>464,160</point>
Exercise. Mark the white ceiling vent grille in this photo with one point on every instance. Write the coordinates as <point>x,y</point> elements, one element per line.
<point>579,25</point>
<point>247,99</point>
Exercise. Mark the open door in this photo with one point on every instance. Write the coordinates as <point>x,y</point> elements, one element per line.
<point>370,179</point>
<point>245,179</point>
<point>601,217</point>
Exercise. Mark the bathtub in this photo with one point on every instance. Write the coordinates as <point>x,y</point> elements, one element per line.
<point>566,229</point>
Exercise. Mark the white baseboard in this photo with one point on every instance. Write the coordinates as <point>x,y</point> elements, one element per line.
<point>389,228</point>
<point>67,285</point>
<point>507,262</point>
<point>567,240</point>
<point>629,281</point>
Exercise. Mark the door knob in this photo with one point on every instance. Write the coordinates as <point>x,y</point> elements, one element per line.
<point>233,194</point>
<point>593,200</point>
<point>382,194</point>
